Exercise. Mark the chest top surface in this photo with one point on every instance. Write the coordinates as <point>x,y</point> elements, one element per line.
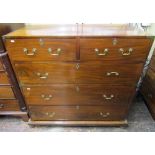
<point>88,30</point>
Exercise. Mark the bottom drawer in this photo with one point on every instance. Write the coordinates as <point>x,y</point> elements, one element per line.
<point>9,105</point>
<point>46,113</point>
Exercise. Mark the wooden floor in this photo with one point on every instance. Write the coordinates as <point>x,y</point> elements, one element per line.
<point>139,120</point>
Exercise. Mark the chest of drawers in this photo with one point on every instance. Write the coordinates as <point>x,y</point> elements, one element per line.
<point>78,76</point>
<point>11,98</point>
<point>148,87</point>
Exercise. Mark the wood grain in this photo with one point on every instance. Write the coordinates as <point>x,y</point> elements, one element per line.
<point>81,94</point>
<point>45,113</point>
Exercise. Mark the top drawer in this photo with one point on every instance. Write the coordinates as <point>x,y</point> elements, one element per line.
<point>127,49</point>
<point>41,49</point>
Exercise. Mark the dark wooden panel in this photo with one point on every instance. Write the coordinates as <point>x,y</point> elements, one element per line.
<point>121,49</point>
<point>148,93</point>
<point>71,94</point>
<point>39,113</point>
<point>84,72</point>
<point>9,105</point>
<point>150,78</point>
<point>41,49</point>
<point>152,63</point>
<point>4,79</point>
<point>6,92</point>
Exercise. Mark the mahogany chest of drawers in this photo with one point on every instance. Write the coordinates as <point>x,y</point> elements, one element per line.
<point>11,98</point>
<point>148,87</point>
<point>78,75</point>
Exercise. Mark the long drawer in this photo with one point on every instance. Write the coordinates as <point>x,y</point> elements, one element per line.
<point>84,72</point>
<point>45,113</point>
<point>41,49</point>
<point>70,94</point>
<point>4,79</point>
<point>6,92</point>
<point>126,49</point>
<point>9,105</point>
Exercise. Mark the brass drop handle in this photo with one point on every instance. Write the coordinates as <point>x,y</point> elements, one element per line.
<point>127,52</point>
<point>112,73</point>
<point>42,76</point>
<point>50,114</point>
<point>56,52</point>
<point>46,97</point>
<point>104,115</point>
<point>1,106</point>
<point>108,98</point>
<point>102,53</point>
<point>26,51</point>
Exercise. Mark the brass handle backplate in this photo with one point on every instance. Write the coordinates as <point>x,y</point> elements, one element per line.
<point>101,53</point>
<point>46,97</point>
<point>112,73</point>
<point>126,52</point>
<point>104,115</point>
<point>42,76</point>
<point>56,52</point>
<point>26,51</point>
<point>108,98</point>
<point>50,114</point>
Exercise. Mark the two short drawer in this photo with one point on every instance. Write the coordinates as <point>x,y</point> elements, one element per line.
<point>75,113</point>
<point>44,49</point>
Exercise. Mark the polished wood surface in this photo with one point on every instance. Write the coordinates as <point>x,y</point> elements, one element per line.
<point>40,113</point>
<point>4,79</point>
<point>67,49</point>
<point>80,30</point>
<point>9,105</point>
<point>81,94</point>
<point>1,67</point>
<point>6,92</point>
<point>11,100</point>
<point>93,78</point>
<point>81,123</point>
<point>87,72</point>
<point>114,46</point>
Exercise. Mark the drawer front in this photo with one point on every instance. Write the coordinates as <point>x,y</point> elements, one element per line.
<point>41,49</point>
<point>3,79</point>
<point>43,113</point>
<point>109,73</point>
<point>85,72</point>
<point>9,105</point>
<point>6,92</point>
<point>150,78</point>
<point>35,73</point>
<point>148,91</point>
<point>126,49</point>
<point>70,94</point>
